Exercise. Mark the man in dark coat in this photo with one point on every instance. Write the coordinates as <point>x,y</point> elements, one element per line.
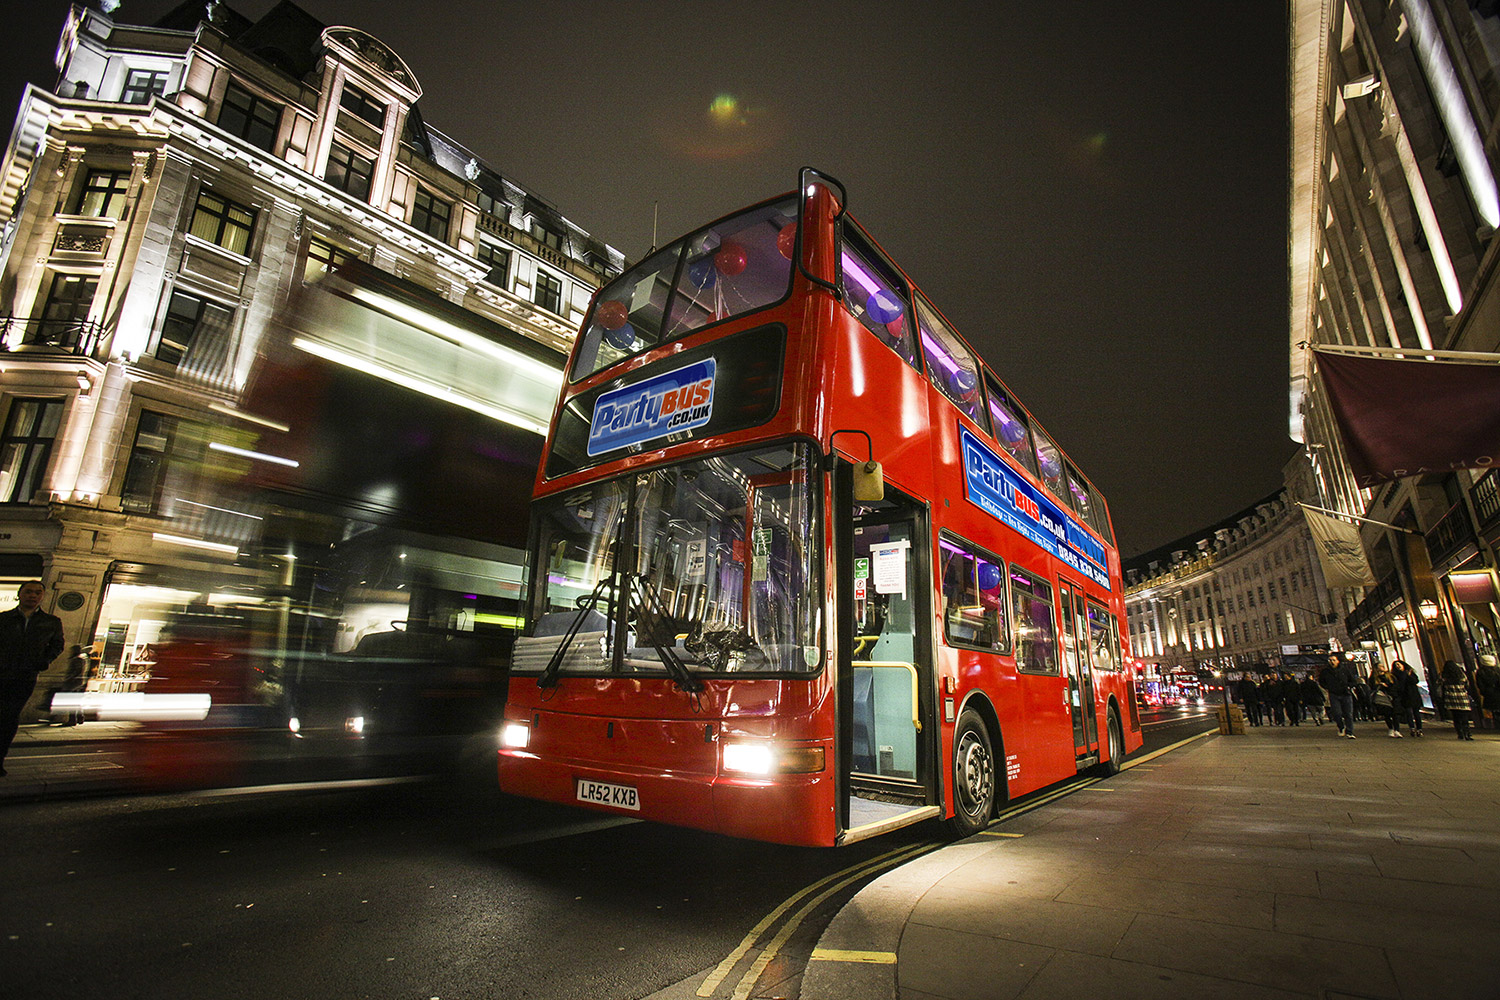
<point>1248,693</point>
<point>1270,696</point>
<point>1410,708</point>
<point>1291,696</point>
<point>30,639</point>
<point>1339,680</point>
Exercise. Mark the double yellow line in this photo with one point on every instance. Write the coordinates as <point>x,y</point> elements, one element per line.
<point>809,899</point>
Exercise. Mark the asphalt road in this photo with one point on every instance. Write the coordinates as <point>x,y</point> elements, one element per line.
<point>397,890</point>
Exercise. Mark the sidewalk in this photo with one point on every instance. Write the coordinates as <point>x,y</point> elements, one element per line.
<point>1286,863</point>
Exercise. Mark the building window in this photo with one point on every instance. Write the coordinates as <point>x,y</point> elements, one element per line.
<point>192,325</point>
<point>251,118</point>
<point>362,106</point>
<point>546,236</point>
<point>322,257</point>
<point>143,84</point>
<point>66,310</point>
<point>26,445</point>
<point>489,203</point>
<point>548,292</point>
<point>103,194</point>
<point>497,259</point>
<point>430,214</point>
<point>349,171</point>
<point>155,440</point>
<point>223,223</point>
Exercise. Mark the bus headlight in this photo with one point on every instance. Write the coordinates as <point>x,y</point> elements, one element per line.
<point>766,759</point>
<point>515,736</point>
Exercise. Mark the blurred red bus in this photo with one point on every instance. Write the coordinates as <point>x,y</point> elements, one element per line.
<point>734,626</point>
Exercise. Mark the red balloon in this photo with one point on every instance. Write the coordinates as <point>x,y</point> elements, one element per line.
<point>786,240</point>
<point>611,315</point>
<point>896,325</point>
<point>731,259</point>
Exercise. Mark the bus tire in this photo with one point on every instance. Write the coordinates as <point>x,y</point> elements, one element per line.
<point>973,776</point>
<point>1116,737</point>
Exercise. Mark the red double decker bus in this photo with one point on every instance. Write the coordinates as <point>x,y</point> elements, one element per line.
<point>803,569</point>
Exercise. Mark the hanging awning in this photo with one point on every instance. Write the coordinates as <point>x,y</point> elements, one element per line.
<point>1402,416</point>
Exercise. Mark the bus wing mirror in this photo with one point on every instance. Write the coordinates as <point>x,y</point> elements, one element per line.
<point>869,482</point>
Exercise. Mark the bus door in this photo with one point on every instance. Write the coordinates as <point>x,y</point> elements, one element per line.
<point>886,703</point>
<point>1078,665</point>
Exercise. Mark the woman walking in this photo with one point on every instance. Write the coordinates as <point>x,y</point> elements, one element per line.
<point>1409,704</point>
<point>1384,698</point>
<point>1456,698</point>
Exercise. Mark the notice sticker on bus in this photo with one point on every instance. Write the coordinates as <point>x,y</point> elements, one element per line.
<point>890,567</point>
<point>669,403</point>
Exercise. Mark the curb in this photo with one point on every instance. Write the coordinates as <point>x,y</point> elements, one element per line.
<point>856,954</point>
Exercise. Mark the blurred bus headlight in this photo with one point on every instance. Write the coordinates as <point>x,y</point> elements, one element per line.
<point>766,759</point>
<point>515,736</point>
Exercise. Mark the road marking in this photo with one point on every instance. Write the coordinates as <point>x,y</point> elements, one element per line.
<point>997,833</point>
<point>839,878</point>
<point>844,955</point>
<point>1167,749</point>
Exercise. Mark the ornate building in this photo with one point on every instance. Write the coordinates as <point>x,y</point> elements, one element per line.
<point>1235,596</point>
<point>198,208</point>
<point>1395,118</point>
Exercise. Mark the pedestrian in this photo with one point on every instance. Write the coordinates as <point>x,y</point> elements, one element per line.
<point>1291,696</point>
<point>1487,680</point>
<point>1270,694</point>
<point>1410,702</point>
<point>73,681</point>
<point>1340,681</point>
<point>30,639</point>
<point>1383,696</point>
<point>1312,699</point>
<point>1248,692</point>
<point>1364,709</point>
<point>1456,698</point>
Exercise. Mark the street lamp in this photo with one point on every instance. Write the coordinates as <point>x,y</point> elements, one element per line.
<point>1428,610</point>
<point>1402,625</point>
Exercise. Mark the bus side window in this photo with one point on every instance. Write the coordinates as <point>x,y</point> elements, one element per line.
<point>973,598</point>
<point>1036,629</point>
<point>878,299</point>
<point>1082,498</point>
<point>1010,425</point>
<point>1103,639</point>
<point>627,317</point>
<point>1049,462</point>
<point>951,366</point>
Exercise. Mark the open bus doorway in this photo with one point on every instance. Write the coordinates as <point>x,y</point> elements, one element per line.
<point>886,769</point>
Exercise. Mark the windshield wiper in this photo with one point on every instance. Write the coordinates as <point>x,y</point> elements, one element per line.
<point>586,603</point>
<point>653,624</point>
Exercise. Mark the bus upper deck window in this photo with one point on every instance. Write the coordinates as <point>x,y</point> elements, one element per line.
<point>1011,428</point>
<point>626,318</point>
<point>736,266</point>
<point>951,365</point>
<point>878,299</point>
<point>1049,462</point>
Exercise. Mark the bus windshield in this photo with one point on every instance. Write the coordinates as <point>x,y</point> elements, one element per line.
<point>733,267</point>
<point>712,560</point>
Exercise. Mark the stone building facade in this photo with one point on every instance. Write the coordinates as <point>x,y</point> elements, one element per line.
<point>1395,128</point>
<point>165,209</point>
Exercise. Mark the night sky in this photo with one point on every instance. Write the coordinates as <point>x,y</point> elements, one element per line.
<point>1094,193</point>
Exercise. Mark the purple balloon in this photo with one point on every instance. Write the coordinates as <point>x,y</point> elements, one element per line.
<point>883,306</point>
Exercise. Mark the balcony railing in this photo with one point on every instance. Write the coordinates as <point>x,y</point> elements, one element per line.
<point>1452,532</point>
<point>30,333</point>
<point>1487,498</point>
<point>1367,612</point>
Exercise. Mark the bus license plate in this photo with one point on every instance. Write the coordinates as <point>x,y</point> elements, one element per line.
<point>603,793</point>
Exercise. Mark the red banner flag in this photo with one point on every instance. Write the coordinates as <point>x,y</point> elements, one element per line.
<point>1400,417</point>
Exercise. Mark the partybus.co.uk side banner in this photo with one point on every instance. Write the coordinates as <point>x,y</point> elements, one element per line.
<point>995,488</point>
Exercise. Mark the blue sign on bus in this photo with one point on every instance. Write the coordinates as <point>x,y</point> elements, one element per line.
<point>994,487</point>
<point>674,401</point>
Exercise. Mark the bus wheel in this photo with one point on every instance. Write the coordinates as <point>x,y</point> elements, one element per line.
<point>1116,746</point>
<point>973,776</point>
